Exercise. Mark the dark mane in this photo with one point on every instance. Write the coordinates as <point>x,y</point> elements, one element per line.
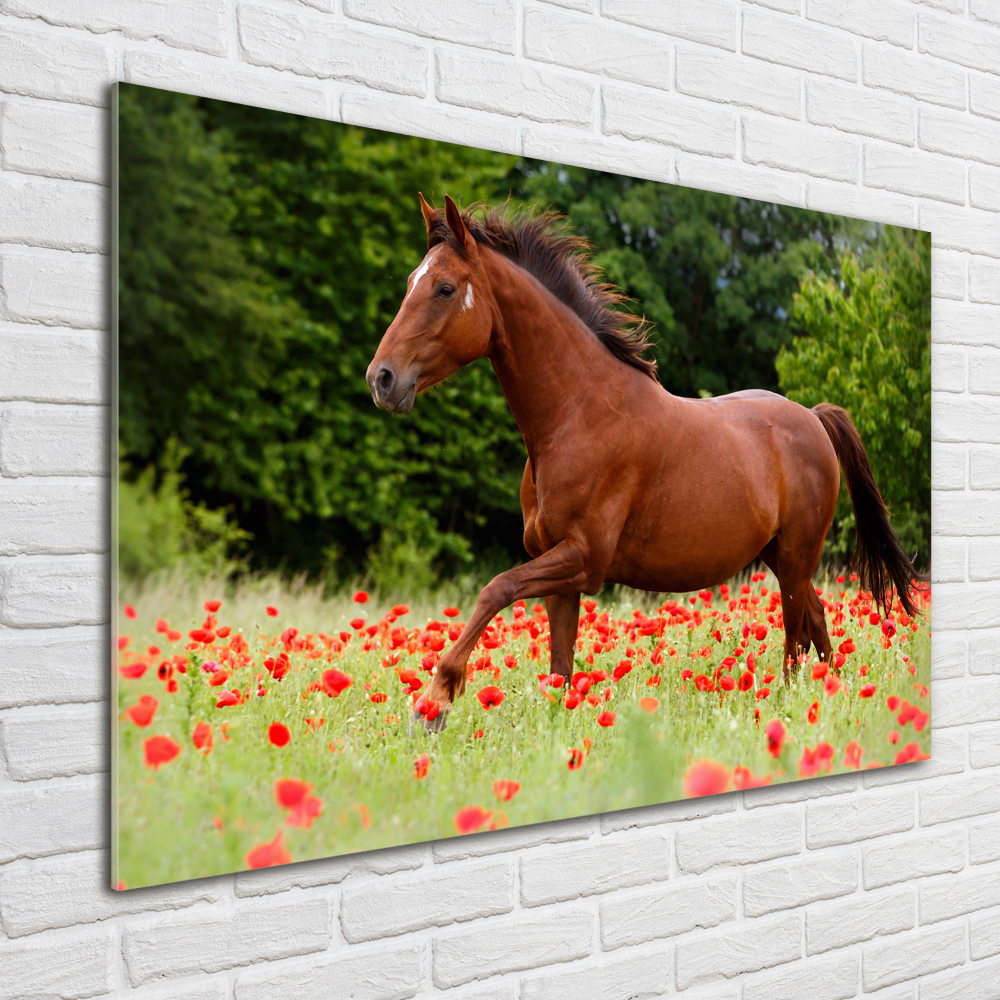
<point>545,247</point>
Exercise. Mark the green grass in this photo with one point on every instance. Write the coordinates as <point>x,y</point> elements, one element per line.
<point>200,814</point>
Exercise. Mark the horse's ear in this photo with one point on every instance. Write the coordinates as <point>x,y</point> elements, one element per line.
<point>457,225</point>
<point>431,218</point>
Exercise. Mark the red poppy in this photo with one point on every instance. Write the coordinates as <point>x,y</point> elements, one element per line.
<point>888,628</point>
<point>760,633</point>
<point>653,681</point>
<point>357,624</point>
<point>706,777</point>
<point>223,633</point>
<point>775,734</point>
<point>130,611</point>
<point>746,681</point>
<point>477,735</point>
<point>335,682</point>
<point>575,759</point>
<point>269,854</point>
<point>212,606</point>
<point>400,609</point>
<point>272,610</point>
<point>831,685</point>
<point>451,612</point>
<point>490,697</point>
<point>852,755</point>
<point>819,671</point>
<point>762,693</point>
<point>505,790</point>
<point>227,698</point>
<point>606,719</point>
<point>621,670</point>
<point>893,736</point>
<point>278,734</point>
<point>421,766</point>
<point>813,715</point>
<point>203,635</point>
<point>202,737</point>
<point>161,626</point>
<point>649,705</point>
<point>892,702</point>
<point>847,646</point>
<point>218,678</point>
<point>743,777</point>
<point>727,683</point>
<point>702,683</point>
<point>173,635</point>
<point>291,792</point>
<point>911,752</point>
<point>360,597</point>
<point>471,818</point>
<point>159,750</point>
<point>142,714</point>
<point>427,707</point>
<point>867,690</point>
<point>378,697</point>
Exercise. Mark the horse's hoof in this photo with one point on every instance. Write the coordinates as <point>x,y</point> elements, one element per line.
<point>435,725</point>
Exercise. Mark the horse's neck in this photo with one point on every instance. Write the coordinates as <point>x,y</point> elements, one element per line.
<point>545,358</point>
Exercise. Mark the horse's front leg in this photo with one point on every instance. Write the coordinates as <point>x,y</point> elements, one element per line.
<point>566,569</point>
<point>564,624</point>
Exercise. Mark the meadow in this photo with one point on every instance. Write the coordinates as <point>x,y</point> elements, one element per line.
<point>264,723</point>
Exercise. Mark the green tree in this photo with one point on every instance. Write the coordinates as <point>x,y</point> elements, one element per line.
<point>864,344</point>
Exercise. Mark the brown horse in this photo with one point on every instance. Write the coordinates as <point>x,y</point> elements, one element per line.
<point>624,483</point>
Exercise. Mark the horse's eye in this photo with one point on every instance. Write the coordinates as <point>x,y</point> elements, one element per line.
<point>446,291</point>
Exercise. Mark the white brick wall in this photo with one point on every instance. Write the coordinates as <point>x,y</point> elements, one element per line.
<point>885,884</point>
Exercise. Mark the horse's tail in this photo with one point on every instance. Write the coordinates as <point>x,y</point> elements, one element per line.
<point>879,559</point>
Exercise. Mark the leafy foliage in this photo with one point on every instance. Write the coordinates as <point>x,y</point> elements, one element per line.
<point>865,345</point>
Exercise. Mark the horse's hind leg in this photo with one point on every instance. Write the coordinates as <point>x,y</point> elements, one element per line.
<point>564,622</point>
<point>815,623</point>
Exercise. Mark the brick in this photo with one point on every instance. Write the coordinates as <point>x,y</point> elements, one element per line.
<point>53,141</point>
<point>972,982</point>
<point>961,229</point>
<point>669,812</point>
<point>966,703</point>
<point>948,276</point>
<point>428,899</point>
<point>688,125</point>
<point>45,593</point>
<point>711,22</point>
<point>858,818</point>
<point>947,467</point>
<point>206,76</point>
<point>910,956</point>
<point>984,560</point>
<point>388,972</point>
<point>212,941</point>
<point>783,886</point>
<point>52,818</point>
<point>732,80</point>
<point>320,47</point>
<point>787,6</point>
<point>914,174</point>
<point>909,74</point>
<point>744,838</point>
<point>636,976</point>
<point>984,468</point>
<point>877,19</point>
<point>726,954</point>
<point>596,47</point>
<point>800,791</point>
<point>984,650</point>
<point>64,965</point>
<point>984,281</point>
<point>667,910</point>
<point>984,188</point>
<point>512,88</point>
<point>984,747</point>
<point>502,989</point>
<point>56,744</point>
<point>947,757</point>
<point>984,842</point>
<point>858,918</point>
<point>723,175</point>
<point>52,518</point>
<point>859,203</point>
<point>959,42</point>
<point>57,289</point>
<point>597,152</point>
<point>973,602</point>
<point>948,369</point>
<point>488,24</point>
<point>985,10</point>
<point>949,560</point>
<point>510,945</point>
<point>984,932</point>
<point>401,114</point>
<point>478,844</point>
<point>189,24</point>
<point>61,892</point>
<point>56,67</point>
<point>950,896</point>
<point>820,979</point>
<point>585,5</point>
<point>52,666</point>
<point>980,324</point>
<point>53,441</point>
<point>984,96</point>
<point>959,799</point>
<point>799,44</point>
<point>329,871</point>
<point>799,148</point>
<point>918,856</point>
<point>51,366</point>
<point>854,109</point>
<point>959,135</point>
<point>549,875</point>
<point>946,427</point>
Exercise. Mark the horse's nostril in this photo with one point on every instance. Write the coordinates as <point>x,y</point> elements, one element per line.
<point>385,379</point>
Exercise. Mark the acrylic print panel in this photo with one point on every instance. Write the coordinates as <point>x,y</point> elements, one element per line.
<point>307,662</point>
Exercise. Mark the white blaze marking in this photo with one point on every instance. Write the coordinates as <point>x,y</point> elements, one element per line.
<point>467,304</point>
<point>420,272</point>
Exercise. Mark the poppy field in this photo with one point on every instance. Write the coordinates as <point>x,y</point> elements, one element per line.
<point>259,727</point>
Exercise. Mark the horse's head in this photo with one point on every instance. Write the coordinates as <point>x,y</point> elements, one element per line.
<point>445,320</point>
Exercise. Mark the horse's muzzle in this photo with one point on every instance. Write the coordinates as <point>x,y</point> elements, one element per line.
<point>390,392</point>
